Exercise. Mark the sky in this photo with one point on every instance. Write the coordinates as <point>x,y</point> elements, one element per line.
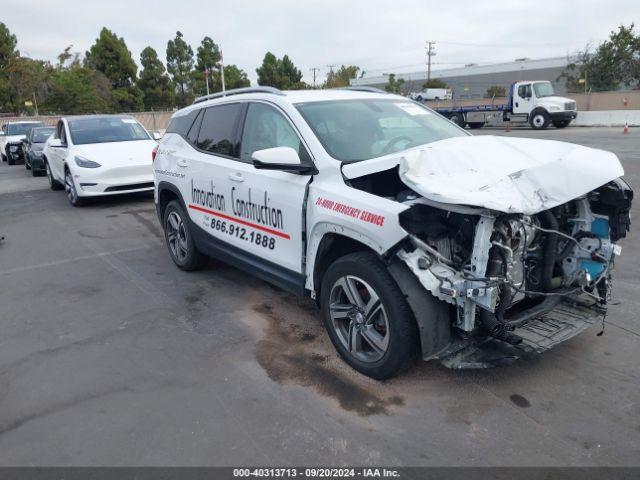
<point>378,36</point>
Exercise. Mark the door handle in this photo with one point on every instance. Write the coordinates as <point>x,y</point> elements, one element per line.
<point>182,163</point>
<point>236,177</point>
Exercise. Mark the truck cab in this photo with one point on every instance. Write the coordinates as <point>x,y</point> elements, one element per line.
<point>535,102</point>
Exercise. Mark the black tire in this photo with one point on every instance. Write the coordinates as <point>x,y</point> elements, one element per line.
<point>539,119</point>
<point>476,125</point>
<point>71,190</point>
<point>561,123</point>
<point>419,98</point>
<point>458,119</point>
<point>35,173</point>
<point>4,157</point>
<point>401,335</point>
<point>192,259</point>
<point>10,160</point>
<point>53,183</point>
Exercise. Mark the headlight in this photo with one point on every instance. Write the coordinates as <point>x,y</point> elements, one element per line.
<point>86,163</point>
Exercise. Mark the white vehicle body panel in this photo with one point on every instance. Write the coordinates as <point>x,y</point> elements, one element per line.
<point>511,175</point>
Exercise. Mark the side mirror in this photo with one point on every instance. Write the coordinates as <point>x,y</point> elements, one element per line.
<point>156,136</point>
<point>56,143</point>
<point>280,158</point>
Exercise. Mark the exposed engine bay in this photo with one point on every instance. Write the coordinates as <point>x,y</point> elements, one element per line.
<point>501,271</point>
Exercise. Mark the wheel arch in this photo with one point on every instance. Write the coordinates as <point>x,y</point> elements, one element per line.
<point>166,193</point>
<point>327,244</point>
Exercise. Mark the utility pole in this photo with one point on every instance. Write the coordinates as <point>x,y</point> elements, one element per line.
<point>314,70</point>
<point>430,53</point>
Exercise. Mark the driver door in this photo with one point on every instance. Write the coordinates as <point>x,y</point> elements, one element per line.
<point>522,99</point>
<point>58,155</point>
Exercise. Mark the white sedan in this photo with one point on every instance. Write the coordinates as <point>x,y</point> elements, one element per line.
<point>98,155</point>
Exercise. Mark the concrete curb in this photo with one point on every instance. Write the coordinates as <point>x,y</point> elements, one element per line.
<point>607,118</point>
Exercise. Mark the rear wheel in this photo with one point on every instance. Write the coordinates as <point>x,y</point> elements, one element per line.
<point>367,316</point>
<point>458,119</point>
<point>53,183</point>
<point>475,125</point>
<point>539,120</point>
<point>179,238</point>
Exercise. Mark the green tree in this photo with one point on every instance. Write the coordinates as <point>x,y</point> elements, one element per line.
<point>110,56</point>
<point>78,90</point>
<point>155,84</point>
<point>24,80</point>
<point>180,65</point>
<point>434,83</point>
<point>496,91</point>
<point>8,43</point>
<point>279,73</point>
<point>393,85</point>
<point>615,63</point>
<point>234,77</point>
<point>341,77</point>
<point>207,56</point>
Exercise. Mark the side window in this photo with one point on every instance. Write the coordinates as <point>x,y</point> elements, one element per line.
<point>63,134</point>
<point>524,91</point>
<point>182,123</point>
<point>218,131</point>
<point>265,127</point>
<point>195,128</point>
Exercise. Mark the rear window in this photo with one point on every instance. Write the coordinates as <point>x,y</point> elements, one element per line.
<point>106,130</point>
<point>40,135</point>
<point>219,130</point>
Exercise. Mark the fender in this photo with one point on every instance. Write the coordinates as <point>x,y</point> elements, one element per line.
<point>166,186</point>
<point>315,237</point>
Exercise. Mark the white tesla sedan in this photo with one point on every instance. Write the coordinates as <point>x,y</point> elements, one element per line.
<point>98,155</point>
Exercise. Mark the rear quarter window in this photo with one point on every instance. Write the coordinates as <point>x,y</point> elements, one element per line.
<point>181,124</point>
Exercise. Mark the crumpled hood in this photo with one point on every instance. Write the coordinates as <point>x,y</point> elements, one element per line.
<point>511,175</point>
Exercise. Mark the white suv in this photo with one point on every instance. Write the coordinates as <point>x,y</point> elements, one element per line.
<point>413,236</point>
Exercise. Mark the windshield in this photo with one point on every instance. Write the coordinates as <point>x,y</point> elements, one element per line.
<point>543,89</point>
<point>21,128</point>
<point>354,130</point>
<point>40,135</point>
<point>106,130</point>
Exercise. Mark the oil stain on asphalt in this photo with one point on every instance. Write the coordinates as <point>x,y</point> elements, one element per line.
<point>287,356</point>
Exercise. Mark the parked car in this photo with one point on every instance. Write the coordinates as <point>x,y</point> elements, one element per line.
<point>413,236</point>
<point>11,140</point>
<point>97,155</point>
<point>33,144</point>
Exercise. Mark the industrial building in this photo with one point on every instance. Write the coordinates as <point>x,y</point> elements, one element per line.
<point>472,81</point>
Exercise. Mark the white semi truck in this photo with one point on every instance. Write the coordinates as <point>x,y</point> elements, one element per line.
<point>533,102</point>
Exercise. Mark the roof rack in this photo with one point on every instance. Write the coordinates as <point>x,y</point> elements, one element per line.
<point>238,91</point>
<point>363,88</point>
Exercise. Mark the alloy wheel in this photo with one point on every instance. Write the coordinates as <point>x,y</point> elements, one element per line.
<point>359,319</point>
<point>177,236</point>
<point>70,188</point>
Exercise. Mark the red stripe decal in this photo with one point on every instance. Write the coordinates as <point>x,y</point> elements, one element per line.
<point>242,222</point>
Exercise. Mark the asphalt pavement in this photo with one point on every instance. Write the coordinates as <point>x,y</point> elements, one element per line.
<point>110,355</point>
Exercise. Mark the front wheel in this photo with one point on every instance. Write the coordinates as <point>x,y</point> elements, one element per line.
<point>179,238</point>
<point>71,190</point>
<point>367,316</point>
<point>539,120</point>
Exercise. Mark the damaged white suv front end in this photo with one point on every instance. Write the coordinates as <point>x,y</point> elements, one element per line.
<point>516,235</point>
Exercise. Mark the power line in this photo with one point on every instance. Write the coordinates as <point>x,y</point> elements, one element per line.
<point>510,44</point>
